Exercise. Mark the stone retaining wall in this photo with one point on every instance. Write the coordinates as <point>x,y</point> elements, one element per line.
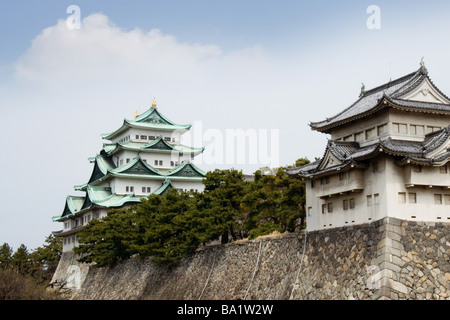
<point>387,259</point>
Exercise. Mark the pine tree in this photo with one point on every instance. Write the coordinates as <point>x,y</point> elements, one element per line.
<point>5,256</point>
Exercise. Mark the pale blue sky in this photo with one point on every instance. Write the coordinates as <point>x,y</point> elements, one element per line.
<point>262,65</point>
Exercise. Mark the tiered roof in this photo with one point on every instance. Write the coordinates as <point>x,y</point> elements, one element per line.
<point>398,94</point>
<point>98,196</point>
<point>150,119</point>
<point>432,151</point>
<point>392,94</point>
<point>158,145</point>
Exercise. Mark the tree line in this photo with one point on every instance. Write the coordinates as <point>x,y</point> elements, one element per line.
<point>26,274</point>
<point>168,227</point>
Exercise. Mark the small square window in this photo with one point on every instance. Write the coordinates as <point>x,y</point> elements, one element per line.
<point>443,169</point>
<point>438,199</point>
<point>330,207</point>
<point>447,199</point>
<point>401,197</point>
<point>160,162</point>
<point>143,189</point>
<point>352,203</point>
<point>149,189</point>
<point>309,211</point>
<point>376,198</point>
<point>345,204</point>
<point>369,200</point>
<point>156,162</point>
<point>324,208</point>
<point>131,189</point>
<point>412,197</point>
<point>127,189</point>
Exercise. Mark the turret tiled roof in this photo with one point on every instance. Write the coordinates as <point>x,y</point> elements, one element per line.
<point>352,154</point>
<point>372,100</point>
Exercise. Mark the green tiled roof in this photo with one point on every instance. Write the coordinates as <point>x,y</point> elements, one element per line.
<point>95,196</point>
<point>166,185</point>
<point>151,119</point>
<point>136,167</point>
<point>186,169</point>
<point>157,145</point>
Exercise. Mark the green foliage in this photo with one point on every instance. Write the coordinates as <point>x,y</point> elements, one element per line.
<point>274,203</point>
<point>24,274</point>
<point>168,227</point>
<point>225,190</point>
<point>6,253</point>
<point>106,241</point>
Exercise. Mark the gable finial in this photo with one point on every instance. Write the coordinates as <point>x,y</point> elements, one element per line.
<point>136,114</point>
<point>154,102</point>
<point>363,89</point>
<point>423,69</point>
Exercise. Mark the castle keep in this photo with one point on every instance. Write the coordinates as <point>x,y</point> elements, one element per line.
<point>143,156</point>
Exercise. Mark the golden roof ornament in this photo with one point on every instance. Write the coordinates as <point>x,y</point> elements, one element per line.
<point>154,102</point>
<point>136,114</point>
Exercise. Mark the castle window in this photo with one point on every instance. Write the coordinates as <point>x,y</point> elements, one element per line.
<point>376,198</point>
<point>401,197</point>
<point>149,189</point>
<point>369,200</point>
<point>443,169</point>
<point>412,197</point>
<point>137,136</point>
<point>345,204</point>
<point>352,203</point>
<point>359,136</point>
<point>417,168</point>
<point>167,139</point>
<point>438,199</point>
<point>348,138</point>
<point>400,128</point>
<point>330,206</point>
<point>324,208</point>
<point>309,211</point>
<point>370,133</point>
<point>143,137</point>
<point>381,129</point>
<point>416,130</point>
<point>447,199</point>
<point>151,138</point>
<point>128,160</point>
